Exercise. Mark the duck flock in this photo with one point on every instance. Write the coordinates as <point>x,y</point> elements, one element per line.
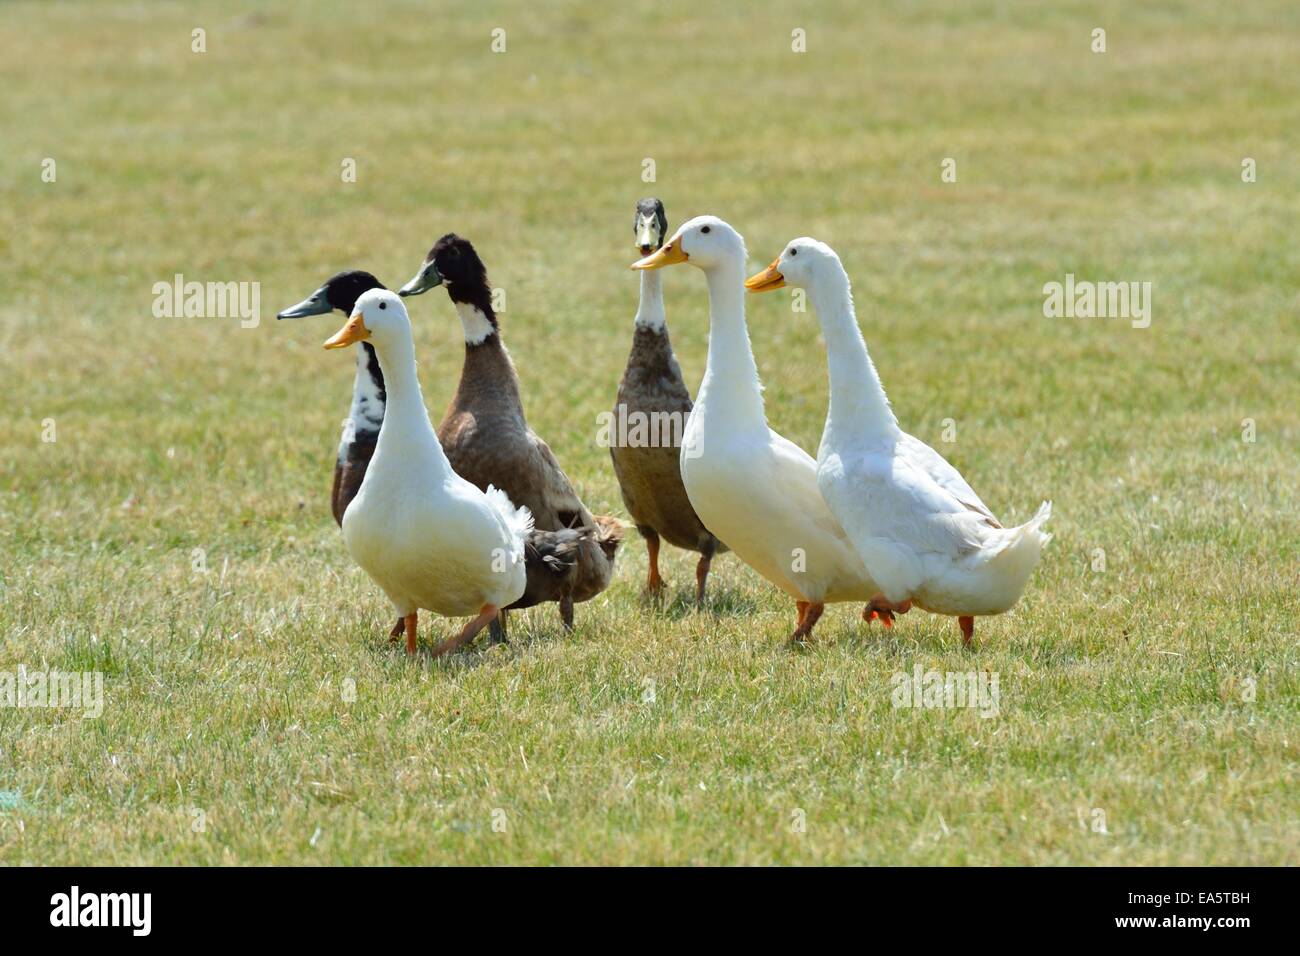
<point>478,518</point>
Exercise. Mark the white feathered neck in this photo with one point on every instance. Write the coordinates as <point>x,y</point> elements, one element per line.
<point>731,384</point>
<point>650,309</point>
<point>406,439</point>
<point>859,410</point>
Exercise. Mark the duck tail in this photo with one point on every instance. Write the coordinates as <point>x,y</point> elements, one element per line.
<point>1021,548</point>
<point>554,553</point>
<point>518,519</point>
<point>609,534</point>
<point>1037,521</point>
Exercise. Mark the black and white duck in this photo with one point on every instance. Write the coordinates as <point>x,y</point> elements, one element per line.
<point>361,427</point>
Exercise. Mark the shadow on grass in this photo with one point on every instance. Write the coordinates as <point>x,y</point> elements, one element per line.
<point>533,627</point>
<point>719,602</point>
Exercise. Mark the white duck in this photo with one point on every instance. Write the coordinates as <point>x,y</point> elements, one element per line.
<point>923,534</point>
<point>427,537</point>
<point>755,490</point>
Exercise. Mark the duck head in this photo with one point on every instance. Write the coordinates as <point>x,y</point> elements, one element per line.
<point>340,292</point>
<point>453,263</point>
<point>378,317</point>
<point>799,265</point>
<point>650,226</point>
<point>705,242</point>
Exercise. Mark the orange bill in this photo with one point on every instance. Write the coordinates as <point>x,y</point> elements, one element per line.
<point>767,280</point>
<point>668,255</point>
<point>354,330</point>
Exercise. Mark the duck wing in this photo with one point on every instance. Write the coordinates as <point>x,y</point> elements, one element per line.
<point>795,481</point>
<point>934,465</point>
<point>554,492</point>
<point>888,495</point>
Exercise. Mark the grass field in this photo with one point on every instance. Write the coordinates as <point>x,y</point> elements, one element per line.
<point>1158,696</point>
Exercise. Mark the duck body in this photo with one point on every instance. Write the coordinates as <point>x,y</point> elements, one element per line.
<point>436,544</point>
<point>759,491</point>
<point>489,442</point>
<point>488,439</point>
<point>926,539</point>
<point>430,539</point>
<point>649,475</point>
<point>922,532</point>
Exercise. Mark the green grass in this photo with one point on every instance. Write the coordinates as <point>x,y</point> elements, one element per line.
<point>1122,691</point>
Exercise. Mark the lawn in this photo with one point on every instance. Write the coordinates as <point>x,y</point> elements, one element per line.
<point>175,534</point>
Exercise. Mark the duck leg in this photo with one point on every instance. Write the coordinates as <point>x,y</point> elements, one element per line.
<point>397,630</point>
<point>566,611</point>
<point>410,622</point>
<point>809,614</point>
<point>884,610</point>
<point>967,625</point>
<point>701,578</point>
<point>702,572</point>
<point>486,614</point>
<point>497,629</point>
<point>654,583</point>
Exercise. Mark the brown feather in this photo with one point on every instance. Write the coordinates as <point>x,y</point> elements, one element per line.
<point>488,442</point>
<point>650,477</point>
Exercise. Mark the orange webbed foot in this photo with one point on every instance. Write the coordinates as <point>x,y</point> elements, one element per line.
<point>882,609</point>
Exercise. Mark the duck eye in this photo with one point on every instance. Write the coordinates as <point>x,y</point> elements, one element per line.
<point>794,252</point>
<point>705,230</point>
<point>383,305</point>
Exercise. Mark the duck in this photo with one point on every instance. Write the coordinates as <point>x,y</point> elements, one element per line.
<point>430,539</point>
<point>361,428</point>
<point>924,535</point>
<point>651,390</point>
<point>550,559</point>
<point>752,487</point>
<point>486,434</point>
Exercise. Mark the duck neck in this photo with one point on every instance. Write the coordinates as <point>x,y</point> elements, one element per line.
<point>731,369</point>
<point>858,409</point>
<point>650,310</point>
<point>406,432</point>
<point>478,321</point>
<point>488,381</point>
<point>368,398</point>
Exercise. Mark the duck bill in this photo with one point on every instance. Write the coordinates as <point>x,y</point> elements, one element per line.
<point>354,330</point>
<point>646,240</point>
<point>767,280</point>
<point>317,303</point>
<point>669,255</point>
<point>427,278</point>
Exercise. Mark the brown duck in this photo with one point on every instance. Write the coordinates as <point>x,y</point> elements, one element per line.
<point>550,557</point>
<point>487,438</point>
<point>650,414</point>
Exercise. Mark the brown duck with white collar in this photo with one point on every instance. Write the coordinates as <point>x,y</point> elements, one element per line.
<point>486,435</point>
